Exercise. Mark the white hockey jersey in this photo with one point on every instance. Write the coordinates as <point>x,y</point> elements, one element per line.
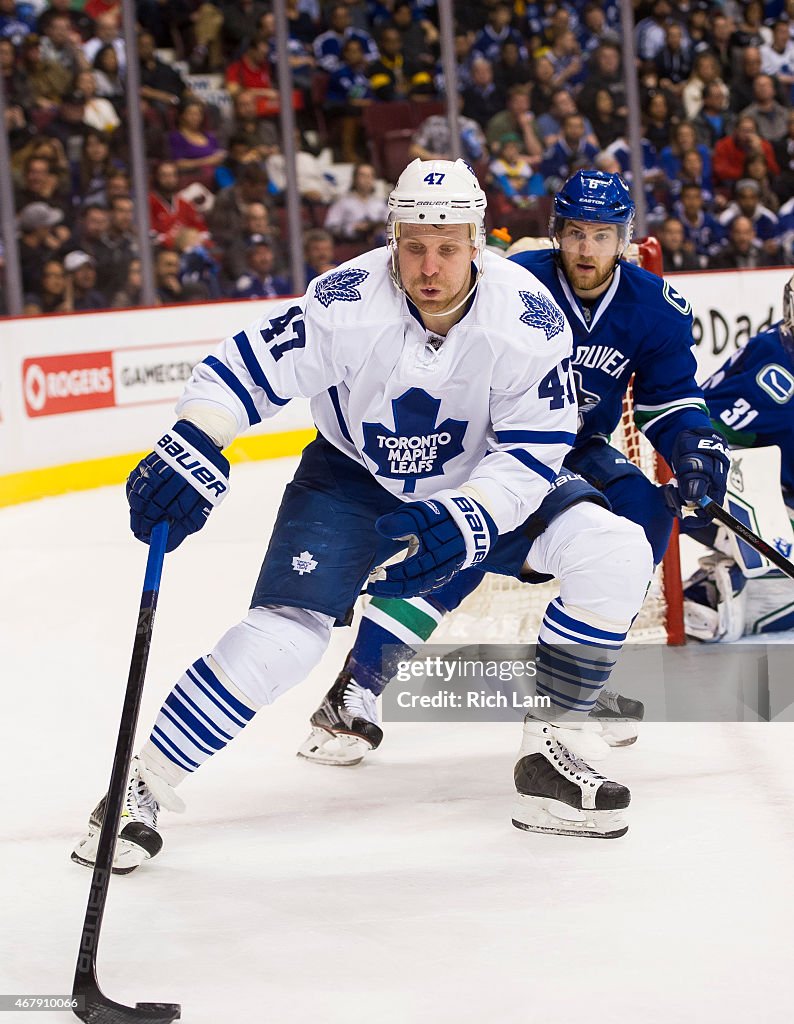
<point>492,407</point>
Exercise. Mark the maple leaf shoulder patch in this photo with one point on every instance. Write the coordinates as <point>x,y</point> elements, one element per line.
<point>543,313</point>
<point>341,285</point>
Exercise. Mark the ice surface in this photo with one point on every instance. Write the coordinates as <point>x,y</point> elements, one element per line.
<point>393,892</point>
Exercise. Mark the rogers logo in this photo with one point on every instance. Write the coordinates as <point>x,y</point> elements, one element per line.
<point>70,383</point>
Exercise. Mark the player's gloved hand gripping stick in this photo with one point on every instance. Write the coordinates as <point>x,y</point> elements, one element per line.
<point>448,532</point>
<point>181,481</point>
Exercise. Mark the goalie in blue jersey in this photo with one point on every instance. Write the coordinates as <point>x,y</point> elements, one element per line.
<point>751,400</point>
<point>625,321</point>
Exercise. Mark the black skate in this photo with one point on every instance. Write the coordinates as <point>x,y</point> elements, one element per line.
<point>618,716</point>
<point>560,793</point>
<point>138,838</point>
<point>345,726</point>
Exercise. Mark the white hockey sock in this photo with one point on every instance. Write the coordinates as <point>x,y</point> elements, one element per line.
<point>576,653</point>
<point>202,713</point>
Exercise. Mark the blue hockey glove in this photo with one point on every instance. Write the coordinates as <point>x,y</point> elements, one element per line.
<point>701,460</point>
<point>182,480</point>
<point>445,534</point>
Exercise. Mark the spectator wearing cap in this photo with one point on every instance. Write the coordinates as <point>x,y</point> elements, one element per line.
<point>770,116</point>
<point>169,211</point>
<point>259,281</point>
<point>518,119</point>
<point>360,214</point>
<point>731,152</point>
<point>747,203</point>
<point>68,126</point>
<point>81,292</point>
<point>227,218</point>
<point>742,251</point>
<point>50,297</point>
<point>514,176</point>
<point>572,147</point>
<point>37,241</point>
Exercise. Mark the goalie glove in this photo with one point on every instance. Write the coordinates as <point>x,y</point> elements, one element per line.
<point>447,533</point>
<point>182,480</point>
<point>715,600</point>
<point>701,460</point>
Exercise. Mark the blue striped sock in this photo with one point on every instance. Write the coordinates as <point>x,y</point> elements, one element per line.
<point>199,717</point>
<point>574,659</point>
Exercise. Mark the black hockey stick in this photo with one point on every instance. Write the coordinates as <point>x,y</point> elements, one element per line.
<point>718,512</point>
<point>91,1003</point>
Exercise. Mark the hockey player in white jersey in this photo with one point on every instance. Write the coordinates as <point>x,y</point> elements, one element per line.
<point>439,378</point>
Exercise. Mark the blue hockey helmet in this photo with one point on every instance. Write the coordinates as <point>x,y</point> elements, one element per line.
<point>598,197</point>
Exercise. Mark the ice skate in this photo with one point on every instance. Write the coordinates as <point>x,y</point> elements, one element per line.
<point>560,793</point>
<point>618,716</point>
<point>139,838</point>
<point>345,726</point>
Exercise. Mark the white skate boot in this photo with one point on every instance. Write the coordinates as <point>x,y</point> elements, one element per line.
<point>560,793</point>
<point>619,717</point>
<point>345,726</point>
<point>138,838</point>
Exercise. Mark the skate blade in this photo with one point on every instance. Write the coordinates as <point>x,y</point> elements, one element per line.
<point>619,732</point>
<point>339,749</point>
<point>126,857</point>
<point>536,814</point>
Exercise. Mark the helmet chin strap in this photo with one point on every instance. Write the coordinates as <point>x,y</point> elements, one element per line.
<point>395,276</point>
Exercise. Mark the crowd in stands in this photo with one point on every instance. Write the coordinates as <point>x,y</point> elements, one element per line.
<point>540,89</point>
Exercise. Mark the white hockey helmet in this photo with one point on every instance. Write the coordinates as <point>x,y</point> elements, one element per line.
<point>438,192</point>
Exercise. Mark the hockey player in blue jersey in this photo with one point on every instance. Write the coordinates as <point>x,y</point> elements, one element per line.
<point>751,400</point>
<point>440,383</point>
<point>625,321</point>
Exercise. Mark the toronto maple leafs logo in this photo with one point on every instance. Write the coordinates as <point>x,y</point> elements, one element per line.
<point>418,447</point>
<point>543,313</point>
<point>303,563</point>
<point>342,285</point>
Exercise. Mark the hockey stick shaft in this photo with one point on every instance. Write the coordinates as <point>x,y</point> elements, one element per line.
<point>85,983</point>
<point>718,512</point>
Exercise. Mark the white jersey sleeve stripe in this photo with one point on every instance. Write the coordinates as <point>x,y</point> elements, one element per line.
<point>254,368</point>
<point>236,386</point>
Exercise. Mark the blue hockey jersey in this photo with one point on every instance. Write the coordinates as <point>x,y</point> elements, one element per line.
<point>639,326</point>
<point>751,398</point>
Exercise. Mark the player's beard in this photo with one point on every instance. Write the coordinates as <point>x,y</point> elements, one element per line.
<point>587,281</point>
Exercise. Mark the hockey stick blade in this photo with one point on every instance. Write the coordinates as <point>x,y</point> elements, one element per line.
<point>718,512</point>
<point>93,1005</point>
